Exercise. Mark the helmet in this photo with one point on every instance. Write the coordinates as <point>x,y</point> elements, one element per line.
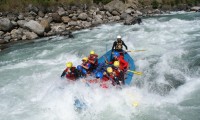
<point>84,71</point>
<point>99,75</point>
<point>85,58</point>
<point>116,54</point>
<point>69,64</point>
<point>79,67</point>
<point>92,52</point>
<point>119,37</point>
<point>109,70</point>
<point>116,63</point>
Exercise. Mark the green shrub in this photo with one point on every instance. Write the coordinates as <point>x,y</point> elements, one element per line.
<point>155,4</point>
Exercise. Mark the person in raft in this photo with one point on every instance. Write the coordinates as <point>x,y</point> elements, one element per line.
<point>86,65</point>
<point>93,60</point>
<point>70,72</point>
<point>118,45</point>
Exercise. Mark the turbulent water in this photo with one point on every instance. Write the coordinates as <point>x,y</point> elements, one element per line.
<point>31,87</point>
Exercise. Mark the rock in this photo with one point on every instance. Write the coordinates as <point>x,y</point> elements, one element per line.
<point>21,23</point>
<point>58,28</point>
<point>7,38</point>
<point>108,14</point>
<point>129,11</point>
<point>1,33</point>
<point>12,16</point>
<point>86,24</point>
<point>115,5</point>
<point>83,16</point>
<point>41,14</point>
<point>124,15</point>
<point>2,41</point>
<point>132,21</point>
<point>32,8</point>
<point>65,19</point>
<point>56,17</point>
<point>97,22</point>
<point>115,13</point>
<point>74,18</point>
<point>46,24</point>
<point>72,23</point>
<point>116,18</point>
<point>30,35</point>
<point>156,11</point>
<point>5,24</point>
<point>195,8</point>
<point>16,34</point>
<point>98,17</point>
<point>14,23</point>
<point>21,16</point>
<point>33,13</point>
<point>61,11</point>
<point>34,26</point>
<point>139,13</point>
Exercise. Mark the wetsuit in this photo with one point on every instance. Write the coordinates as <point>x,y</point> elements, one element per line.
<point>118,46</point>
<point>72,75</point>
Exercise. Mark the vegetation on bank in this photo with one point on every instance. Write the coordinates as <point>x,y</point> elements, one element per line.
<point>19,5</point>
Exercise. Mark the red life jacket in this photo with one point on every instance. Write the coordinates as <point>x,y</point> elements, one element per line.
<point>70,75</point>
<point>117,71</point>
<point>93,58</point>
<point>123,64</point>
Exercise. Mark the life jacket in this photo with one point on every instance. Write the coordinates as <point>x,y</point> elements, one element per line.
<point>71,75</point>
<point>89,66</point>
<point>93,58</point>
<point>119,45</point>
<point>117,71</point>
<point>123,63</point>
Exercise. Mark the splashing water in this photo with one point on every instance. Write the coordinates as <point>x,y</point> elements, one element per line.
<point>31,87</point>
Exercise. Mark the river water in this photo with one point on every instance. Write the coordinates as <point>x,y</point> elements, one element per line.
<point>31,87</point>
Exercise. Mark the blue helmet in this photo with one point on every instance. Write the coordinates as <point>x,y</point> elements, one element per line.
<point>116,54</point>
<point>79,67</point>
<point>99,75</point>
<point>84,71</point>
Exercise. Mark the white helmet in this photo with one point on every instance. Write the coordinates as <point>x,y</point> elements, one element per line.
<point>119,37</point>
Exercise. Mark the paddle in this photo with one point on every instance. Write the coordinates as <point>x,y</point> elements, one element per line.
<point>135,72</point>
<point>135,50</point>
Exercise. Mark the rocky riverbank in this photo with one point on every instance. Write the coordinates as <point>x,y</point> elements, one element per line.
<point>36,22</point>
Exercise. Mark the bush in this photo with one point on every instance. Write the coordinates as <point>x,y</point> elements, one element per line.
<point>102,1</point>
<point>155,4</point>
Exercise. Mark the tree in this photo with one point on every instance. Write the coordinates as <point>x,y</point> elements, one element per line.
<point>154,4</point>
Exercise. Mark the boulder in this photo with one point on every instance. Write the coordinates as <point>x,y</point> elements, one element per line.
<point>72,23</point>
<point>21,23</point>
<point>61,11</point>
<point>34,26</point>
<point>41,14</point>
<point>115,5</point>
<point>7,38</point>
<point>195,8</point>
<point>58,28</point>
<point>65,19</point>
<point>5,24</point>
<point>108,14</point>
<point>30,35</point>
<point>124,15</point>
<point>132,21</point>
<point>97,17</point>
<point>46,24</point>
<point>86,24</point>
<point>83,16</point>
<point>74,18</point>
<point>97,22</point>
<point>12,16</point>
<point>14,23</point>
<point>115,13</point>
<point>116,18</point>
<point>56,17</point>
<point>129,11</point>
<point>21,16</point>
<point>16,34</point>
<point>1,33</point>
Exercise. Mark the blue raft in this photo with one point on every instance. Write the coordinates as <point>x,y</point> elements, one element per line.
<point>127,57</point>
